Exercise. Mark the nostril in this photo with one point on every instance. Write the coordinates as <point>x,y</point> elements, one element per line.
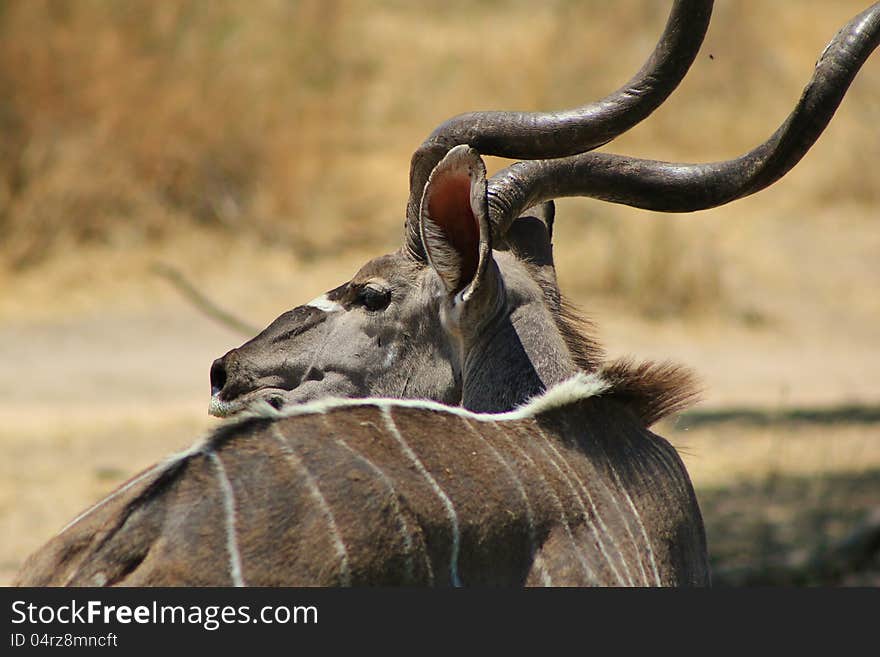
<point>218,376</point>
<point>314,375</point>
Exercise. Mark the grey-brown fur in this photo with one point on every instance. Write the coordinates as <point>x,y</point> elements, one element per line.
<point>537,501</point>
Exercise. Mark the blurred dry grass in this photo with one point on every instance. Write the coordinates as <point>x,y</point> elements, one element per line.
<point>263,149</point>
<point>292,122</point>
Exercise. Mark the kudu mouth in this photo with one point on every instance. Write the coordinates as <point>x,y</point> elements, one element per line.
<point>232,396</point>
<point>246,376</point>
<point>229,397</point>
<point>315,384</point>
<point>221,408</point>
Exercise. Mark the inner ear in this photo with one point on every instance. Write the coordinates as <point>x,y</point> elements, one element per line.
<point>453,205</point>
<point>451,229</point>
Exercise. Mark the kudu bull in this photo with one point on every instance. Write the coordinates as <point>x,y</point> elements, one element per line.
<point>388,491</point>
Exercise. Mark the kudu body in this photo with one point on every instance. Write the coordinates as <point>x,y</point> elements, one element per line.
<point>449,319</point>
<point>565,491</point>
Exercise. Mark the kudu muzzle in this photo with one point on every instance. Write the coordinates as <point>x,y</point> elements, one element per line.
<point>275,362</point>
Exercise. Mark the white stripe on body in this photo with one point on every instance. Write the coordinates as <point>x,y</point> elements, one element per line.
<point>444,498</point>
<point>229,508</point>
<point>574,477</point>
<point>395,508</point>
<point>641,525</point>
<point>584,565</point>
<point>320,501</point>
<point>530,516</point>
<point>580,386</point>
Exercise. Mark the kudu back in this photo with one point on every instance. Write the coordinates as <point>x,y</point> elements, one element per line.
<point>566,491</point>
<point>467,313</point>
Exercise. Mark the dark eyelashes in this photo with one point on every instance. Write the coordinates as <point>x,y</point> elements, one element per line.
<point>374,298</point>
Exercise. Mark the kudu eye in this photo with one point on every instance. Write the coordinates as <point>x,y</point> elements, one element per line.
<point>374,297</point>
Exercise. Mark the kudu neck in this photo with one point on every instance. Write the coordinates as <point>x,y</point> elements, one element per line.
<point>518,355</point>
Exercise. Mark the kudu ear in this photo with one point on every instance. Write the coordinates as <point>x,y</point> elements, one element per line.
<point>530,235</point>
<point>454,220</point>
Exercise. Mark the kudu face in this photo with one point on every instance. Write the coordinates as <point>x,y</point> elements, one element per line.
<point>403,327</point>
<point>373,335</point>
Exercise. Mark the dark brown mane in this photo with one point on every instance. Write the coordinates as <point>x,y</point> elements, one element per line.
<point>651,390</point>
<point>579,335</point>
<point>577,331</point>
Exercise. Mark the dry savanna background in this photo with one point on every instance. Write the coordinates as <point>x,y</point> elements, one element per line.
<point>259,151</point>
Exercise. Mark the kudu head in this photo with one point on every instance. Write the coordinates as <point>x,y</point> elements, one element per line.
<point>410,322</point>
